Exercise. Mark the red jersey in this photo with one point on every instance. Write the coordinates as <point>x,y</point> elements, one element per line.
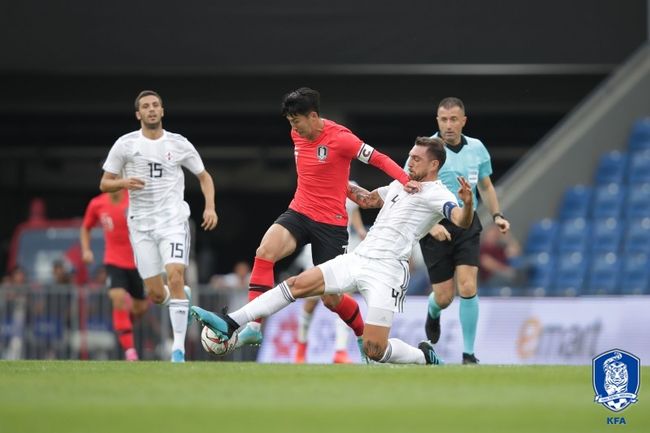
<point>323,168</point>
<point>117,249</point>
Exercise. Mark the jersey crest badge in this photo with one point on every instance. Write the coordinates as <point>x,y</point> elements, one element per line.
<point>168,156</point>
<point>321,152</point>
<point>616,377</point>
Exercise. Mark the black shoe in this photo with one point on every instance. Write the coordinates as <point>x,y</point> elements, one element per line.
<point>430,354</point>
<point>432,328</point>
<point>469,359</point>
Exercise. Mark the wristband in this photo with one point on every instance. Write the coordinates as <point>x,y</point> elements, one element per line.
<point>498,214</point>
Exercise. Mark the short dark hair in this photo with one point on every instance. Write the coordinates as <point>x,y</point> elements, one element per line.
<point>143,94</point>
<point>435,148</point>
<point>451,102</point>
<point>301,102</point>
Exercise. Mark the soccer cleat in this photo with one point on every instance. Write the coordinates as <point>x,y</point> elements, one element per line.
<point>249,337</point>
<point>469,358</point>
<point>362,353</point>
<point>341,357</point>
<point>430,355</point>
<point>217,323</point>
<point>301,353</point>
<point>178,356</point>
<point>131,354</point>
<point>432,328</point>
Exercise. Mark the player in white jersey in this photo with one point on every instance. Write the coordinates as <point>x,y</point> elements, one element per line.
<point>356,233</point>
<point>150,163</point>
<point>378,267</point>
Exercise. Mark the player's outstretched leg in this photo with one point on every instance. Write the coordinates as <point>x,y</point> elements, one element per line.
<point>432,324</point>
<point>221,325</point>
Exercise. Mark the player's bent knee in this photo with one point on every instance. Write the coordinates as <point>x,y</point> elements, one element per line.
<point>331,301</point>
<point>375,349</point>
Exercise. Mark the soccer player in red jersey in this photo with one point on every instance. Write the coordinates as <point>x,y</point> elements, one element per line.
<point>110,210</point>
<point>323,151</point>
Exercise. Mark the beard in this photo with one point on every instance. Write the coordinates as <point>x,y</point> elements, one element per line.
<point>416,176</point>
<point>152,125</point>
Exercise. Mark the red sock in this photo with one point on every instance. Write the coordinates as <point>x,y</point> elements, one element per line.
<point>262,279</point>
<point>123,328</point>
<point>348,311</point>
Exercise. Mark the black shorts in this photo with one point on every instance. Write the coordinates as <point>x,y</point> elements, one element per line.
<point>127,279</point>
<point>441,258</point>
<point>327,240</point>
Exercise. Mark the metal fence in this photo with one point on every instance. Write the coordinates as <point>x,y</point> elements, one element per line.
<point>70,322</point>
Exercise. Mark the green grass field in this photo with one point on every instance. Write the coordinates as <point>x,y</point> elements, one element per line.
<point>119,397</point>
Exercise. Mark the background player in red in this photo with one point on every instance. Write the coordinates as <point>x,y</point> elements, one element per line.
<point>110,210</point>
<point>323,151</point>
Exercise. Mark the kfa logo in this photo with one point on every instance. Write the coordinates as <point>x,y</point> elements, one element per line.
<point>321,152</point>
<point>616,377</point>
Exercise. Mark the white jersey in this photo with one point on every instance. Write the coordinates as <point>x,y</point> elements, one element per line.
<point>158,163</point>
<point>405,218</point>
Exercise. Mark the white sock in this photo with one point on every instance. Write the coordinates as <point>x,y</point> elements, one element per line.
<point>178,318</point>
<point>398,352</point>
<point>342,332</point>
<point>304,321</point>
<point>168,295</point>
<point>264,305</point>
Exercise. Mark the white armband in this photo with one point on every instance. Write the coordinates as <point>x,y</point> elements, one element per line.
<point>365,152</point>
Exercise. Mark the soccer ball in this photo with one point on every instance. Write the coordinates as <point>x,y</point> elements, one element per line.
<point>212,343</point>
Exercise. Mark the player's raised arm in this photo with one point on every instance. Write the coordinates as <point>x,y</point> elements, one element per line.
<point>210,218</point>
<point>463,217</point>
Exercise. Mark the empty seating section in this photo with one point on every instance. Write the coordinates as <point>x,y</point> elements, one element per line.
<point>600,242</point>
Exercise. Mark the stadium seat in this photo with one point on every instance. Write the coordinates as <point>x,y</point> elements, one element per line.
<point>570,274</point>
<point>541,236</point>
<point>603,276</point>
<point>637,236</point>
<point>638,201</point>
<point>574,235</point>
<point>638,170</point>
<point>635,276</point>
<point>640,135</point>
<point>608,201</point>
<point>611,168</point>
<point>541,267</point>
<point>576,202</point>
<point>606,235</point>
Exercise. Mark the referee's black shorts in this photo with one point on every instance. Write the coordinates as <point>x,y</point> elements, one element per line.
<point>441,258</point>
<point>327,240</point>
<point>127,279</point>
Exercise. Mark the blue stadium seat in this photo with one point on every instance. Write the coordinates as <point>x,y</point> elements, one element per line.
<point>637,236</point>
<point>611,168</point>
<point>570,274</point>
<point>638,201</point>
<point>635,278</point>
<point>604,274</point>
<point>606,235</point>
<point>576,202</point>
<point>541,236</point>
<point>541,267</point>
<point>640,135</point>
<point>638,170</point>
<point>608,201</point>
<point>574,235</point>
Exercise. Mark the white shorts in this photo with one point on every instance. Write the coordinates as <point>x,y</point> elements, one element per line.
<point>381,282</point>
<point>153,249</point>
